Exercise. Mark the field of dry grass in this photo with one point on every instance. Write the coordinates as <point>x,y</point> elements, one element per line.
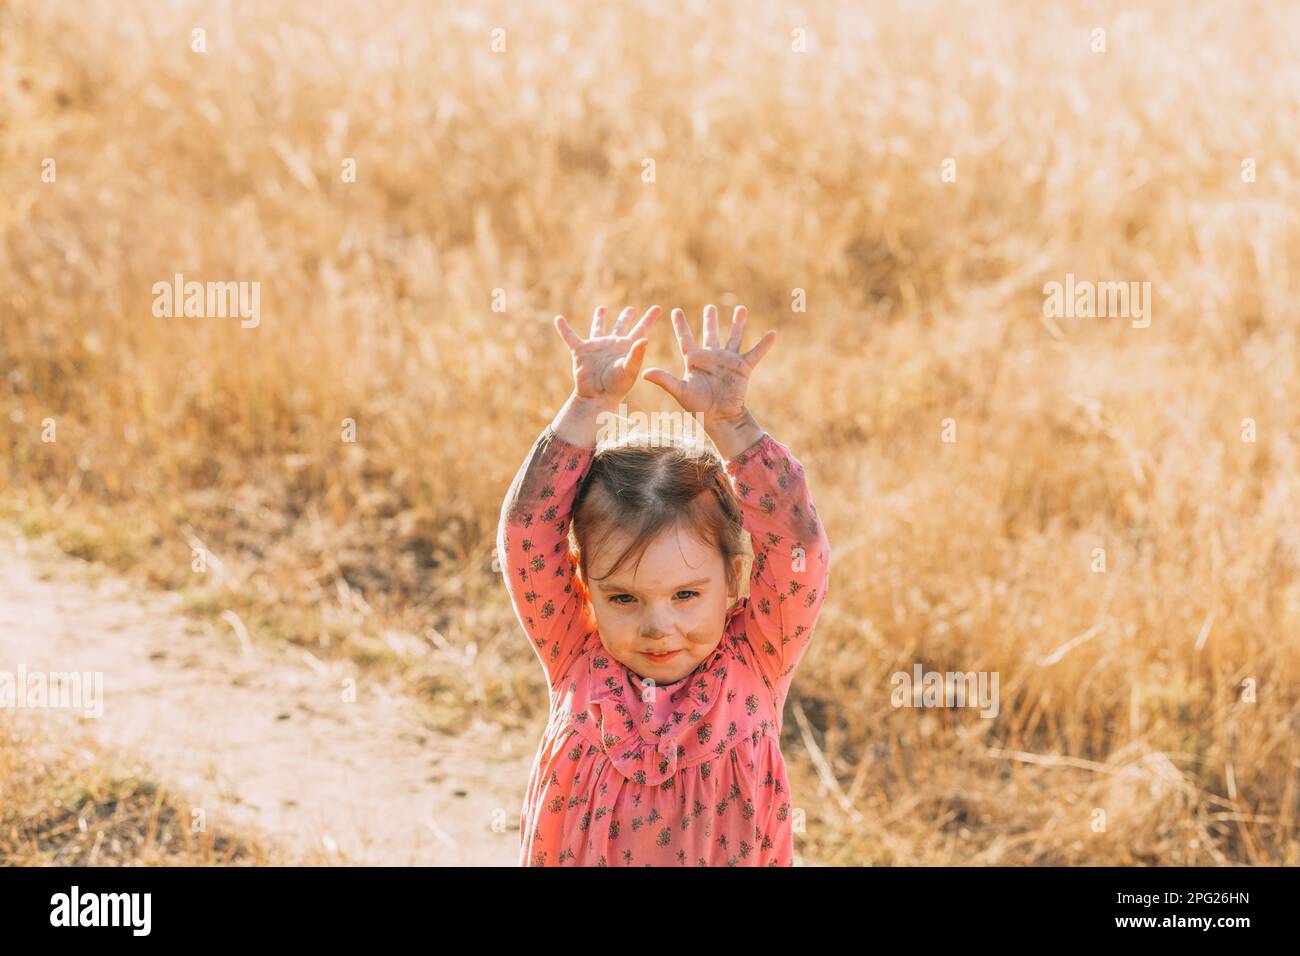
<point>65,801</point>
<point>1124,691</point>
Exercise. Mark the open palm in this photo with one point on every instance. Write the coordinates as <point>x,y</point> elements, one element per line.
<point>605,364</point>
<point>715,377</point>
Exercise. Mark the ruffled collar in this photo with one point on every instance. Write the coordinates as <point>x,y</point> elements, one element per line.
<point>646,731</point>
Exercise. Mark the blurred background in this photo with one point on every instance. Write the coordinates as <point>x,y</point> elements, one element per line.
<point>890,185</point>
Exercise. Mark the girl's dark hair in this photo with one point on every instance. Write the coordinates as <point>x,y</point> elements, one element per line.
<point>640,489</point>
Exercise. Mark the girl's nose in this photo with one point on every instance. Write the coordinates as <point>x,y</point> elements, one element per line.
<point>652,629</point>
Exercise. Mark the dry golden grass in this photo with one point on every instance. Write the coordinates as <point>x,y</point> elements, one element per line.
<point>70,802</point>
<point>775,171</point>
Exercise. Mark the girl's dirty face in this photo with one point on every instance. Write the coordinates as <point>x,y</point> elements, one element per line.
<point>662,617</point>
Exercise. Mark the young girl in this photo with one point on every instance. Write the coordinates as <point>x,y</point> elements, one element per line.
<point>666,691</point>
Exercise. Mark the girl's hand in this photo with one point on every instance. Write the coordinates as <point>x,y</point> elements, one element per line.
<point>716,377</point>
<point>605,365</point>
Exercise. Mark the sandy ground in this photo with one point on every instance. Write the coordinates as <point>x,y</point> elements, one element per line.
<point>259,736</point>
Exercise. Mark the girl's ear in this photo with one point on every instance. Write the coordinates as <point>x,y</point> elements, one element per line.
<point>733,578</point>
<point>581,578</point>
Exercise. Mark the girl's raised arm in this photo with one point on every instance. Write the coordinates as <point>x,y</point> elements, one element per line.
<point>533,546</point>
<point>792,557</point>
<point>791,554</point>
<point>532,534</point>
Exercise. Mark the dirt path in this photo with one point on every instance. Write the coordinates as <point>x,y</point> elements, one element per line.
<point>259,736</point>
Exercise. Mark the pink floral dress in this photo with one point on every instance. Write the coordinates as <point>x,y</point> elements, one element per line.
<point>683,774</point>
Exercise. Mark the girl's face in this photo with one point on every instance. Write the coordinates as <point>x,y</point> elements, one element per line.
<point>664,616</point>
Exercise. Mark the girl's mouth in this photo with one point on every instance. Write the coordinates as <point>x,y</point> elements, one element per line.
<point>659,658</point>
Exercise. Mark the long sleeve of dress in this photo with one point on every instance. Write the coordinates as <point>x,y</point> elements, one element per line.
<point>791,571</point>
<point>533,548</point>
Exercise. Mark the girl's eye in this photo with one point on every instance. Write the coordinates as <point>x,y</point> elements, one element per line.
<point>618,598</point>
